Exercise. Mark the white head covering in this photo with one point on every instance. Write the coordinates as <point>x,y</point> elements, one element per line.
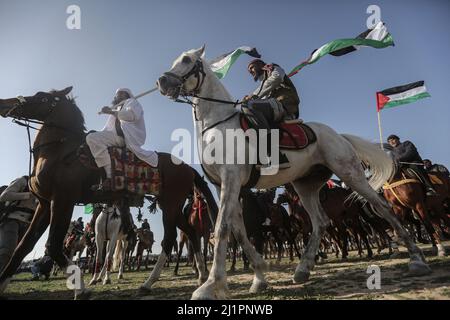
<point>125,90</point>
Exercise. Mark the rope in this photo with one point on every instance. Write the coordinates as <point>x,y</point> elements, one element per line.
<point>391,187</point>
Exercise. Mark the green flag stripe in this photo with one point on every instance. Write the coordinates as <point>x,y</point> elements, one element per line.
<point>343,43</point>
<point>411,99</point>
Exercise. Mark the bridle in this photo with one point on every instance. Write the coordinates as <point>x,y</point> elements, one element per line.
<point>199,73</point>
<point>25,122</point>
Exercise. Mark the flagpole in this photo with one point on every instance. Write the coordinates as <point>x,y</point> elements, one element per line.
<point>379,123</point>
<point>379,129</point>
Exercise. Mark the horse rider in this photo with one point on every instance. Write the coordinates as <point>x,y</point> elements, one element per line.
<point>145,225</point>
<point>430,167</point>
<point>275,100</point>
<point>15,217</point>
<point>77,231</point>
<point>124,127</point>
<point>406,154</point>
<point>42,267</point>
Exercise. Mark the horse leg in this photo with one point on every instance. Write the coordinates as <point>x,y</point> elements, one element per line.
<point>122,258</point>
<point>170,235</point>
<point>356,180</point>
<point>37,227</point>
<point>106,264</point>
<point>194,239</point>
<point>432,228</point>
<point>308,191</point>
<point>205,252</point>
<point>180,252</point>
<point>259,265</point>
<point>99,241</point>
<point>216,285</point>
<point>61,213</point>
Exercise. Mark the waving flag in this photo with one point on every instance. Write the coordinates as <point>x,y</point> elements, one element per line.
<point>378,37</point>
<point>88,209</point>
<point>404,94</point>
<point>222,64</point>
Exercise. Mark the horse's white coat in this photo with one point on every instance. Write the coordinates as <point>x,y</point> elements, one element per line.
<point>342,154</point>
<point>107,228</point>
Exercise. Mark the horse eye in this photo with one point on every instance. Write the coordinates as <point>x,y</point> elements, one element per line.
<point>186,60</point>
<point>44,99</point>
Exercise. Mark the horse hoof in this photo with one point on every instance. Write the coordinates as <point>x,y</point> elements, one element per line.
<point>301,277</point>
<point>120,276</point>
<point>84,295</point>
<point>441,251</point>
<point>4,284</point>
<point>418,268</point>
<point>258,286</point>
<point>143,291</point>
<point>201,281</point>
<point>199,296</point>
<point>108,281</point>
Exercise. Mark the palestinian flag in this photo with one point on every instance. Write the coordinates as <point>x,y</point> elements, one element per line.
<point>222,64</point>
<point>88,209</point>
<point>378,37</point>
<point>396,96</point>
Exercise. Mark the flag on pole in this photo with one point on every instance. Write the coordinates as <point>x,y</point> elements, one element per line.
<point>88,209</point>
<point>223,63</point>
<point>396,96</point>
<point>378,38</point>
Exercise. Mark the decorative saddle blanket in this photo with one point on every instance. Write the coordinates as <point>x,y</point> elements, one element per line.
<point>131,174</point>
<point>293,134</point>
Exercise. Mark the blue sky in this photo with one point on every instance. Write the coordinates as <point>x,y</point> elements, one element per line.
<point>130,43</point>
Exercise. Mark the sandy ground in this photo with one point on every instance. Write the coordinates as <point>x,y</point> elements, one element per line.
<point>331,279</point>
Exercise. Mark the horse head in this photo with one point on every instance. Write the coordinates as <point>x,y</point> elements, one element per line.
<point>36,107</point>
<point>186,75</point>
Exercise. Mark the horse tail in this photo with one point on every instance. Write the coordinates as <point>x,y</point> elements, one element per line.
<point>117,255</point>
<point>382,166</point>
<point>202,185</point>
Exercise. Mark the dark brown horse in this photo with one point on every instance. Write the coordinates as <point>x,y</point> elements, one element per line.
<point>145,242</point>
<point>196,212</point>
<point>60,180</point>
<point>407,196</point>
<point>343,214</point>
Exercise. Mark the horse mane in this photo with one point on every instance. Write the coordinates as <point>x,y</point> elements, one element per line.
<point>77,114</point>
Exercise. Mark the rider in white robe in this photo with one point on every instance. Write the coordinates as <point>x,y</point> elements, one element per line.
<point>130,133</point>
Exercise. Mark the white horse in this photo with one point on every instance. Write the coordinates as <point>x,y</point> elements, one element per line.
<point>310,168</point>
<point>108,228</point>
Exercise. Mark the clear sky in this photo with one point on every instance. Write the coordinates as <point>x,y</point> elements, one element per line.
<point>130,43</point>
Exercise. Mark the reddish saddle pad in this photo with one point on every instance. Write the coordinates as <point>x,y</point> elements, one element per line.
<point>292,135</point>
<point>129,173</point>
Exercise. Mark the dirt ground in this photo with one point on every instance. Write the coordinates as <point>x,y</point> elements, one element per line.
<point>331,279</point>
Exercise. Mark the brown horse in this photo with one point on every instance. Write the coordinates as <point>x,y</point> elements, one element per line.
<point>407,196</point>
<point>344,216</point>
<point>145,242</point>
<point>60,180</point>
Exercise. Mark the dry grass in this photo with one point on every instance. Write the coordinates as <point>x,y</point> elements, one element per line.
<point>334,279</point>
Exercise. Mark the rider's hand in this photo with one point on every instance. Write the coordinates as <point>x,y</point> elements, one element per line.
<point>106,110</point>
<point>246,98</point>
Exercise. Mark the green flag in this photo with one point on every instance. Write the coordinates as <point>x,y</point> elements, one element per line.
<point>88,209</point>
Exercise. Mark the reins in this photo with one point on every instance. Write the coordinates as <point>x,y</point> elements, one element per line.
<point>194,107</point>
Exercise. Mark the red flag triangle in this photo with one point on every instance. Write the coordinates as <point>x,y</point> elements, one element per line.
<point>381,101</point>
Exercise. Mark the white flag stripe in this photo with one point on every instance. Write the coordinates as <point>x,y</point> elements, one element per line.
<point>407,94</point>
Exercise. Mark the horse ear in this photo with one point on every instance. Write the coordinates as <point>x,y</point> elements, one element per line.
<point>65,91</point>
<point>200,52</point>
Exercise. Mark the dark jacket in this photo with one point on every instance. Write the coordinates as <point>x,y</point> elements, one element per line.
<point>406,152</point>
<point>438,168</point>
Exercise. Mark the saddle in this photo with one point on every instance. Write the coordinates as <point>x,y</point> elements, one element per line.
<point>128,172</point>
<point>294,134</point>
